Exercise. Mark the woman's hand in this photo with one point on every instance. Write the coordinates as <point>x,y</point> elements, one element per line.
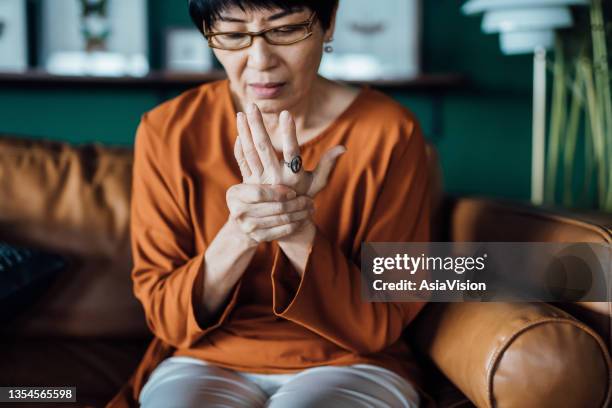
<point>258,163</point>
<point>267,213</point>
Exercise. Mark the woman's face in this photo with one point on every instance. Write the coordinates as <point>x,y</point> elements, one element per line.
<point>275,77</point>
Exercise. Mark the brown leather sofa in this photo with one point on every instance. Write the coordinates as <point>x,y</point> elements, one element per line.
<point>87,330</point>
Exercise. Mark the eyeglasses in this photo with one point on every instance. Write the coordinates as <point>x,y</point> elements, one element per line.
<point>281,35</point>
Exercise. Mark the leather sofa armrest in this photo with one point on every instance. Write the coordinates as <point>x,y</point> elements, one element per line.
<point>516,354</point>
<point>473,219</point>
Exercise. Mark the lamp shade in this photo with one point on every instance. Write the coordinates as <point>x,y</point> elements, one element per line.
<point>524,25</point>
<point>479,6</point>
<point>526,42</point>
<point>528,19</point>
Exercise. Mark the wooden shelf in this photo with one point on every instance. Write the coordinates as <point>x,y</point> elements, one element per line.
<point>156,79</point>
<point>167,80</point>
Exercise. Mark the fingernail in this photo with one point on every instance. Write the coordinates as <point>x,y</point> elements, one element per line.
<point>252,108</point>
<point>291,195</point>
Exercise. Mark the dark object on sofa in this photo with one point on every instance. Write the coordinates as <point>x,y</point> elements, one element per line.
<point>89,331</point>
<point>24,275</point>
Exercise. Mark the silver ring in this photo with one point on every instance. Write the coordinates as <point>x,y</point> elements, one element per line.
<point>295,164</point>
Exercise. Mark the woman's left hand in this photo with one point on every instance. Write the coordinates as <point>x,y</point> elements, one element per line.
<point>258,162</point>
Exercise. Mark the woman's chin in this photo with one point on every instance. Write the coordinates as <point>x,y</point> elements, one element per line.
<point>276,105</point>
<point>273,102</point>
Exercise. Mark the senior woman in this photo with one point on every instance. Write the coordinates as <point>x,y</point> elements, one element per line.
<point>253,296</point>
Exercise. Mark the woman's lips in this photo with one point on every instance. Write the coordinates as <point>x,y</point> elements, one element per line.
<point>267,90</point>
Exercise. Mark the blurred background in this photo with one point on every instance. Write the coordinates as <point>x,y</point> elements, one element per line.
<point>85,71</point>
<point>513,94</point>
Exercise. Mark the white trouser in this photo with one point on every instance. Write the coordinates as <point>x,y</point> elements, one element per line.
<point>185,382</point>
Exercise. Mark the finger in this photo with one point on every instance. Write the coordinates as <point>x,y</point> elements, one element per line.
<point>251,224</point>
<point>266,209</point>
<point>261,139</point>
<point>324,168</point>
<point>248,148</point>
<point>291,147</point>
<point>245,171</point>
<point>275,233</point>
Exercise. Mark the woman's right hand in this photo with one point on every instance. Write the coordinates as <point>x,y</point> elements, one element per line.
<point>266,213</point>
<point>259,164</point>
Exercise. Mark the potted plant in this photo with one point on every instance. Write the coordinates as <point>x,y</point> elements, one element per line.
<point>581,113</point>
<point>528,27</point>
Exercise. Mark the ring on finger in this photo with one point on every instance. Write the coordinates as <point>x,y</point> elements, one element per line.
<point>295,164</point>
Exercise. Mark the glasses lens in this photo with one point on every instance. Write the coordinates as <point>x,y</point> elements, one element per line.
<point>230,41</point>
<point>287,34</point>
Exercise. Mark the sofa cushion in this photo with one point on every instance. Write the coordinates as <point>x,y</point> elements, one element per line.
<point>74,201</point>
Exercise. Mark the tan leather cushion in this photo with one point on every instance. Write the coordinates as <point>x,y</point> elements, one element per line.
<point>74,201</point>
<point>516,354</point>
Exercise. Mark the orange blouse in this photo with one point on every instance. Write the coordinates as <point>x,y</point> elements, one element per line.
<point>274,321</point>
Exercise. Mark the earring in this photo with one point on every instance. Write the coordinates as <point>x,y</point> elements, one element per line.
<point>328,48</point>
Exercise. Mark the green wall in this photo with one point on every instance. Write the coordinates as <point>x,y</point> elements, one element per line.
<point>482,131</point>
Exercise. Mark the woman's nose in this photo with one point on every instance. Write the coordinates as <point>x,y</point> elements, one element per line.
<point>261,55</point>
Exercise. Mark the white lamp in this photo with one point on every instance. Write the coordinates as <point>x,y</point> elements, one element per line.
<point>528,26</point>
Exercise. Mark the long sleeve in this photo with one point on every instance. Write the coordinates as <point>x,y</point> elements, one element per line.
<point>167,274</point>
<point>328,300</point>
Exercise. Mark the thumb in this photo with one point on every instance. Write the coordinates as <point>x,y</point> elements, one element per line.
<point>326,165</point>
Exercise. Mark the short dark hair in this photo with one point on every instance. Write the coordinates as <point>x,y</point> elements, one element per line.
<point>208,11</point>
